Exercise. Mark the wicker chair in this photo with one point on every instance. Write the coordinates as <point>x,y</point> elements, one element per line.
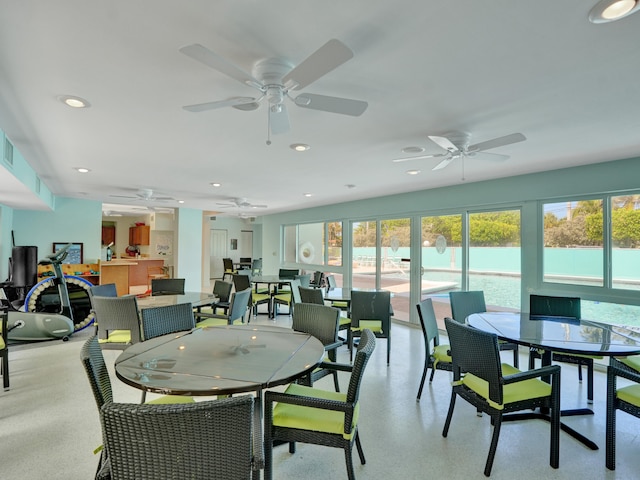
<point>227,264</point>
<point>237,311</point>
<point>314,295</point>
<point>438,357</point>
<point>118,321</point>
<point>4,346</point>
<point>167,286</point>
<point>371,310</point>
<point>222,291</point>
<point>309,415</point>
<point>322,322</point>
<point>100,382</point>
<point>464,304</point>
<point>287,297</point>
<point>498,389</point>
<point>242,282</point>
<point>626,399</point>
<point>331,283</point>
<point>215,439</point>
<point>562,307</point>
<point>166,319</point>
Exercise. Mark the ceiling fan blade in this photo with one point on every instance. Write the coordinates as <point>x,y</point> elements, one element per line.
<point>279,119</point>
<point>237,102</point>
<point>497,142</point>
<point>488,155</point>
<point>443,142</point>
<point>125,196</point>
<point>419,157</point>
<point>444,162</point>
<point>258,206</point>
<point>331,55</point>
<point>344,106</point>
<point>215,61</point>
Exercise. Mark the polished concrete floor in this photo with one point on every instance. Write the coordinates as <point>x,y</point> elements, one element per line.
<point>49,423</point>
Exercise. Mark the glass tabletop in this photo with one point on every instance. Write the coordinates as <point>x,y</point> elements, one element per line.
<point>195,298</point>
<point>562,334</point>
<point>219,360</point>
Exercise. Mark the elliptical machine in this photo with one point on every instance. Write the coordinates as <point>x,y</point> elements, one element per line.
<point>37,326</point>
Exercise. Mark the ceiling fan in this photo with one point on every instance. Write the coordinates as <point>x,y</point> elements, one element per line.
<point>275,79</point>
<point>145,194</point>
<point>462,149</point>
<point>239,203</point>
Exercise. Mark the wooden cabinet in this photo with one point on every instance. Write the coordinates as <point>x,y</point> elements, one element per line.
<point>108,235</point>
<point>139,235</point>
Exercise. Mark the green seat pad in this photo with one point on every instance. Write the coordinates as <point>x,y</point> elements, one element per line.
<point>260,297</point>
<point>344,321</point>
<point>117,336</point>
<point>630,394</point>
<point>2,344</point>
<point>311,418</point>
<point>340,304</point>
<point>632,362</point>
<point>170,399</point>
<point>513,392</point>
<point>374,325</point>
<point>441,354</point>
<point>214,322</point>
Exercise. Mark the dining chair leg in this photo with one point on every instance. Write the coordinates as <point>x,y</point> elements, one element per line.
<point>424,377</point>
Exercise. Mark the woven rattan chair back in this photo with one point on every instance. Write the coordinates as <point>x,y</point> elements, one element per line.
<point>464,304</point>
<point>555,306</point>
<point>318,320</point>
<point>167,286</point>
<point>96,370</point>
<point>166,319</point>
<point>119,313</point>
<point>311,295</point>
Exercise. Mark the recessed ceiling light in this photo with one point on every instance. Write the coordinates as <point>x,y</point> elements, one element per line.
<point>412,150</point>
<point>299,147</point>
<point>82,170</point>
<point>215,184</point>
<point>180,201</point>
<point>413,172</point>
<point>308,194</point>
<point>74,102</point>
<point>611,10</point>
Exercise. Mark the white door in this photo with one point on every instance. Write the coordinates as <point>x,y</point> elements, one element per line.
<point>218,251</point>
<point>246,243</point>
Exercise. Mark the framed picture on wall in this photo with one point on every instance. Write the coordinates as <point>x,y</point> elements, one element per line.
<point>234,244</point>
<point>75,253</point>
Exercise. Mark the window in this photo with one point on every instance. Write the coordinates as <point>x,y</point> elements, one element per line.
<point>625,242</point>
<point>313,243</point>
<point>573,242</point>
<point>363,253</point>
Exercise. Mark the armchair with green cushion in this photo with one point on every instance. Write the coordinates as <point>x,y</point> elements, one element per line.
<point>242,282</point>
<point>467,303</point>
<point>321,417</point>
<point>322,322</point>
<point>287,297</point>
<point>4,346</point>
<point>118,321</point>
<point>167,286</point>
<point>237,312</point>
<point>314,295</point>
<point>331,283</point>
<point>499,389</point>
<point>438,357</point>
<point>214,439</point>
<point>545,305</point>
<point>228,268</point>
<point>626,399</point>
<point>100,382</point>
<point>222,291</point>
<point>370,310</point>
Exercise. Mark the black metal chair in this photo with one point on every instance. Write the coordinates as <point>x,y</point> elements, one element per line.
<point>167,286</point>
<point>287,297</point>
<point>370,310</point>
<point>222,291</point>
<point>438,357</point>
<point>214,439</point>
<point>242,282</point>
<point>322,322</point>
<point>466,303</point>
<point>626,399</point>
<point>499,389</point>
<point>569,307</point>
<point>228,268</point>
<point>236,315</point>
<point>310,415</point>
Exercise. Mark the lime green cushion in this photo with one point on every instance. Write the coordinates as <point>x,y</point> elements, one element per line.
<point>260,297</point>
<point>514,392</point>
<point>215,322</point>
<point>630,394</point>
<point>631,362</point>
<point>344,321</point>
<point>374,325</point>
<point>314,419</point>
<point>117,336</point>
<point>2,344</point>
<point>441,354</point>
<point>285,297</point>
<point>340,304</point>
<point>169,399</point>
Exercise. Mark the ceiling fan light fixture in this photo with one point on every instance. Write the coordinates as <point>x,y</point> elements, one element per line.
<point>611,10</point>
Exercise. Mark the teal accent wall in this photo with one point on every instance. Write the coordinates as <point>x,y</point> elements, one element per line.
<point>72,220</point>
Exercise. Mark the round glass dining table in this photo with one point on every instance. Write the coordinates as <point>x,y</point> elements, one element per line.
<point>219,360</point>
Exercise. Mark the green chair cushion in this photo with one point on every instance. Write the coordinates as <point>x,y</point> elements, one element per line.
<point>285,297</point>
<point>374,325</point>
<point>260,297</point>
<point>314,419</point>
<point>441,354</point>
<point>632,362</point>
<point>339,304</point>
<point>630,394</point>
<point>344,321</point>
<point>513,392</point>
<point>215,322</point>
<point>2,344</point>
<point>117,336</point>
<point>171,399</point>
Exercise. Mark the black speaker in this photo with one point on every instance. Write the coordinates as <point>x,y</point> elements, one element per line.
<point>24,266</point>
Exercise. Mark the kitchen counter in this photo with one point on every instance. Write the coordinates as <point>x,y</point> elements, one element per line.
<point>126,273</point>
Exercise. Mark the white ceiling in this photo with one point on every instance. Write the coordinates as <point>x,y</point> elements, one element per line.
<point>426,67</point>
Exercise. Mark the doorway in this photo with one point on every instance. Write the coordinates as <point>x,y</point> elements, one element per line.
<point>218,251</point>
